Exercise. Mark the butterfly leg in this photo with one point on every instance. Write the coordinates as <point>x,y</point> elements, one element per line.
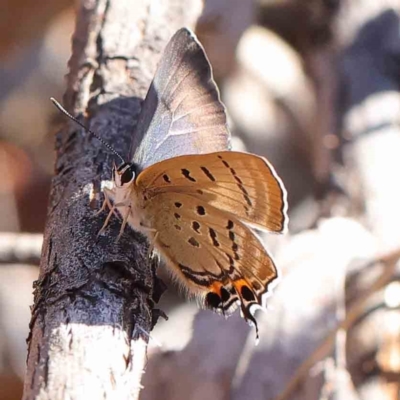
<point>151,234</point>
<point>107,202</point>
<point>124,222</point>
<point>144,228</point>
<point>112,211</point>
<point>103,206</point>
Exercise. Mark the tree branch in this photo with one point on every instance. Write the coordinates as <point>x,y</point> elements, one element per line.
<point>93,293</point>
<point>20,248</point>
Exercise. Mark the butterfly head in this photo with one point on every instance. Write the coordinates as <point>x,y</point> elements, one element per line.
<point>124,175</point>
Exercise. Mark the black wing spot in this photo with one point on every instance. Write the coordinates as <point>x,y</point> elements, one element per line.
<point>247,294</point>
<point>178,205</point>
<point>248,200</point>
<point>194,242</point>
<point>196,226</point>
<point>177,227</point>
<point>224,162</point>
<point>199,191</point>
<point>166,178</point>
<point>235,246</point>
<point>213,236</point>
<point>230,225</point>
<point>231,261</point>
<point>192,276</point>
<point>239,183</point>
<point>241,187</point>
<point>186,174</point>
<point>245,194</point>
<point>208,174</point>
<point>237,179</point>
<point>212,300</point>
<point>177,216</point>
<point>201,210</point>
<point>225,295</point>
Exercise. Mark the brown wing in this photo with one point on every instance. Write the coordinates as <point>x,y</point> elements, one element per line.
<point>241,184</point>
<point>211,252</point>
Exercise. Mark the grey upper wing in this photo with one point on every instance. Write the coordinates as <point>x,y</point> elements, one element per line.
<point>182,112</point>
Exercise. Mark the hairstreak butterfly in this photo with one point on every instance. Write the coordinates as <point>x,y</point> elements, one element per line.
<point>195,200</point>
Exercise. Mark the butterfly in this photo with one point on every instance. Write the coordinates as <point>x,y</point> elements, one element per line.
<point>194,200</point>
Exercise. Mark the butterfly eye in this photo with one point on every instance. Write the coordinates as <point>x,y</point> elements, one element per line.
<point>126,176</point>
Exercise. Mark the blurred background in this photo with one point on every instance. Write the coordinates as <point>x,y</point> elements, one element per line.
<point>313,85</point>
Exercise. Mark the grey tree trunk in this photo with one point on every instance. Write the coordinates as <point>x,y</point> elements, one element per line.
<point>94,297</point>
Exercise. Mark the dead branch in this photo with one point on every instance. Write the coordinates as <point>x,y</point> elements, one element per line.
<point>94,297</point>
<point>20,248</point>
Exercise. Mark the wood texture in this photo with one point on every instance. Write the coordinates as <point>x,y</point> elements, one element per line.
<point>94,297</point>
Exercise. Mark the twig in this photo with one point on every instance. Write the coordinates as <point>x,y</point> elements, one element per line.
<point>19,248</point>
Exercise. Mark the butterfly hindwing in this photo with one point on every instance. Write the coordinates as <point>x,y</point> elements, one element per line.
<point>182,112</point>
<point>239,183</point>
<point>211,251</point>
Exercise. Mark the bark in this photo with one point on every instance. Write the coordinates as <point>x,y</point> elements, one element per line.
<point>94,297</point>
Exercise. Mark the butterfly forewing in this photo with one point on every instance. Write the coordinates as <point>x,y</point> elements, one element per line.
<point>182,113</point>
<point>211,250</point>
<point>242,184</point>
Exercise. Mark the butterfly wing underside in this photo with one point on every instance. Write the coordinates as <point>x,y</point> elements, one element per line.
<point>201,206</point>
<point>241,184</point>
<point>212,252</point>
<point>182,112</point>
<point>197,200</point>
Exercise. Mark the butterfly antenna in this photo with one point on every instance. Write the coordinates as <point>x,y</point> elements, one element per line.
<point>102,141</point>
